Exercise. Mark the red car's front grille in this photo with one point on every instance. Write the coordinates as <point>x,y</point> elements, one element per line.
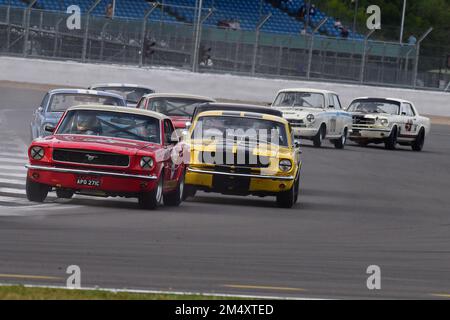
<point>91,157</point>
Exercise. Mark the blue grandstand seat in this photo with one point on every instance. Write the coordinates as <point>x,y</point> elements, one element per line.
<point>248,13</point>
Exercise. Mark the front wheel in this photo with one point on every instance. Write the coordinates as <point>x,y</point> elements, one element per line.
<point>175,198</point>
<point>318,138</point>
<point>391,141</point>
<point>36,192</point>
<point>340,143</point>
<point>151,200</point>
<point>287,199</point>
<point>418,144</point>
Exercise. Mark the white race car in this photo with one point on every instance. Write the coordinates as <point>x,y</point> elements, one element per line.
<point>315,115</point>
<point>389,121</point>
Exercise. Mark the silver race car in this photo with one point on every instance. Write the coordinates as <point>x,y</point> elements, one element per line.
<point>57,101</point>
<point>388,120</point>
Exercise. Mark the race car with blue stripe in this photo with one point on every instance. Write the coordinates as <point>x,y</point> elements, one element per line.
<point>315,115</point>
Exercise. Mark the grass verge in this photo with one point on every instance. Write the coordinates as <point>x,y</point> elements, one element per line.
<point>36,293</point>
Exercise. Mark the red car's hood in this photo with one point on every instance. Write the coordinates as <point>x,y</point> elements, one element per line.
<point>104,144</point>
<point>180,122</point>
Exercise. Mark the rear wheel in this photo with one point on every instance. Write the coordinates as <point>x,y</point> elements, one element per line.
<point>340,143</point>
<point>418,144</point>
<point>175,198</point>
<point>36,192</point>
<point>64,193</point>
<point>391,142</point>
<point>153,199</point>
<point>318,138</point>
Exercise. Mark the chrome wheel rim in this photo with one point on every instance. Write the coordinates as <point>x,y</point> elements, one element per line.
<point>181,187</point>
<point>159,191</point>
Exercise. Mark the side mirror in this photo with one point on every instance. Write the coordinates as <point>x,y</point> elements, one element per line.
<point>330,107</point>
<point>403,113</point>
<point>297,144</point>
<point>269,104</point>
<point>49,128</point>
<point>40,109</point>
<point>174,139</point>
<point>188,125</point>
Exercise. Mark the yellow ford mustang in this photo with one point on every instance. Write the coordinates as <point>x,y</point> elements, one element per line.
<point>243,150</point>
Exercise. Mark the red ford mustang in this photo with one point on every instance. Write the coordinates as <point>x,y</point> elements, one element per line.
<point>108,151</point>
<point>179,107</point>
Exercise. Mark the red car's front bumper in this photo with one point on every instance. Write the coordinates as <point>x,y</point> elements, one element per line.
<point>112,182</point>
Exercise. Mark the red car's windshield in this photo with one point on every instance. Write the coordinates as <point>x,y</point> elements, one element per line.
<point>111,124</point>
<point>175,107</point>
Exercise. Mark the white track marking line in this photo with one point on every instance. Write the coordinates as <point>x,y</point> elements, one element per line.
<point>16,168</point>
<point>49,207</point>
<point>15,175</point>
<point>12,190</point>
<point>12,181</point>
<point>13,149</point>
<point>13,160</point>
<point>11,199</point>
<point>14,154</point>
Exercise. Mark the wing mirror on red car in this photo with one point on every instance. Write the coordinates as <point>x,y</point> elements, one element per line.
<point>49,128</point>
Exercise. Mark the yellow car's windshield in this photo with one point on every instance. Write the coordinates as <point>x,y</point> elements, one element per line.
<point>232,128</point>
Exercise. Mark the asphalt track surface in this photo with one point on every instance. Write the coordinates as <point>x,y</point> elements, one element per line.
<point>358,207</point>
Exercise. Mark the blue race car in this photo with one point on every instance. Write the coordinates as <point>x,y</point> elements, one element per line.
<point>57,101</point>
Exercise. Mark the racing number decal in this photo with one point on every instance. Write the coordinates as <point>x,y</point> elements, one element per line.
<point>409,125</point>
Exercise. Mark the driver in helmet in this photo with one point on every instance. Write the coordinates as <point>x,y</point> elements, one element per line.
<point>88,124</point>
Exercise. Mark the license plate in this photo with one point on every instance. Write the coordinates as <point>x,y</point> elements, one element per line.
<point>88,181</point>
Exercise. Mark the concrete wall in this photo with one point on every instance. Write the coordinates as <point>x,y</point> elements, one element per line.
<point>218,86</point>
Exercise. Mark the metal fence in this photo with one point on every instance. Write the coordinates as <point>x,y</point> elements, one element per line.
<point>148,42</point>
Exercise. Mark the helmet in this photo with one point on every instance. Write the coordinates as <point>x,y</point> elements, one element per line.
<point>85,122</point>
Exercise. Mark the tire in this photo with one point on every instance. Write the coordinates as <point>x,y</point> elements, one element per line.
<point>318,138</point>
<point>391,142</point>
<point>175,198</point>
<point>36,192</point>
<point>297,189</point>
<point>64,193</point>
<point>418,144</point>
<point>287,199</point>
<point>189,192</point>
<point>340,143</point>
<point>151,200</point>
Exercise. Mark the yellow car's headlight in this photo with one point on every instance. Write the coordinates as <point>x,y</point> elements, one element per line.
<point>285,165</point>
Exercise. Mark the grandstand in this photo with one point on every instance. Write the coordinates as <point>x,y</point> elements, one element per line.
<point>167,39</point>
<point>283,18</point>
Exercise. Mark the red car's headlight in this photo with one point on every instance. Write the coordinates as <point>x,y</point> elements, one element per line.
<point>146,162</point>
<point>37,153</point>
